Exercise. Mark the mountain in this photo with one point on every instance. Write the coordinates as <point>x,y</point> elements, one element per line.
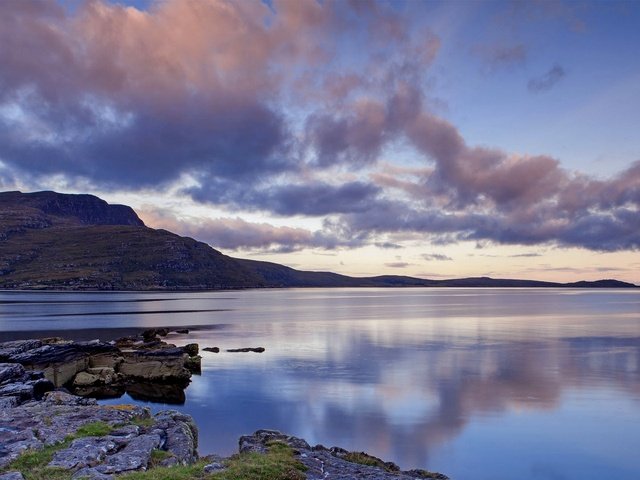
<point>53,240</point>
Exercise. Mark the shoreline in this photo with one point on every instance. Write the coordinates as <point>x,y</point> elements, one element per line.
<point>50,433</point>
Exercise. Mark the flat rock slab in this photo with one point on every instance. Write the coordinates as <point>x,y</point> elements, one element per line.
<point>127,447</point>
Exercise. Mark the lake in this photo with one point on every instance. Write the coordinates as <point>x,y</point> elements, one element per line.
<point>475,383</point>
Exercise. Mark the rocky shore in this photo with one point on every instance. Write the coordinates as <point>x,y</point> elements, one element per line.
<point>46,432</point>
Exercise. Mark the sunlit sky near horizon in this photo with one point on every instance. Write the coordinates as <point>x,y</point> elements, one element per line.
<point>424,138</point>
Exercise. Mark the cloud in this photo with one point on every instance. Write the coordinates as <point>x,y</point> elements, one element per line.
<point>260,109</point>
<point>526,255</point>
<point>239,234</point>
<point>547,81</point>
<point>397,264</point>
<point>436,256</point>
<point>501,56</point>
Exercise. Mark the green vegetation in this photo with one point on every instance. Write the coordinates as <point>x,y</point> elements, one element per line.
<point>93,429</point>
<point>33,463</point>
<point>366,459</point>
<point>157,456</point>
<point>278,464</point>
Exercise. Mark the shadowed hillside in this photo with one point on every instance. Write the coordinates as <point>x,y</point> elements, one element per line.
<point>52,240</point>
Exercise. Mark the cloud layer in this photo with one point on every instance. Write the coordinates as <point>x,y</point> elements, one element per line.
<point>289,110</point>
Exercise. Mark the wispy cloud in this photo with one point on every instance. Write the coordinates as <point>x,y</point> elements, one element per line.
<point>436,256</point>
<point>547,81</point>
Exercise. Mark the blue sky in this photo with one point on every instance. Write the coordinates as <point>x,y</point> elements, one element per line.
<point>425,138</point>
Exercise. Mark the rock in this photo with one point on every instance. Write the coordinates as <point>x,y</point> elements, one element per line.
<point>21,391</point>
<point>152,333</point>
<point>85,379</point>
<point>63,398</point>
<point>10,372</point>
<point>162,365</point>
<point>191,349</point>
<point>8,402</point>
<point>211,349</point>
<point>181,433</point>
<point>11,476</point>
<point>55,341</point>
<point>323,463</point>
<point>95,376</point>
<point>83,452</point>
<point>91,474</point>
<point>213,467</point>
<point>9,349</point>
<point>194,364</point>
<point>183,331</point>
<point>59,362</point>
<point>256,350</point>
<point>135,456</point>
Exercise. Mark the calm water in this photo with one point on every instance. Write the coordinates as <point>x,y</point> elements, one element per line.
<point>476,383</point>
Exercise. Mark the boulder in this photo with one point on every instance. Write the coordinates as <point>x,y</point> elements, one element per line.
<point>191,349</point>
<point>181,435</point>
<point>166,365</point>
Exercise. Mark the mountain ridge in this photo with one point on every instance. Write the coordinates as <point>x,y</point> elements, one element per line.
<point>50,240</point>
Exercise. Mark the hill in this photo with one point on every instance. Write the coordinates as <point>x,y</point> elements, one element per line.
<point>53,240</point>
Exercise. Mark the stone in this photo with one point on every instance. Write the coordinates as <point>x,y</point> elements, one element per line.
<point>183,331</point>
<point>244,350</point>
<point>11,476</point>
<point>10,372</point>
<point>95,376</point>
<point>182,435</point>
<point>9,349</point>
<point>191,349</point>
<point>9,402</point>
<point>323,463</point>
<point>21,391</point>
<point>211,349</point>
<point>135,456</point>
<point>63,398</point>
<point>213,467</point>
<point>194,364</point>
<point>86,379</point>
<point>83,452</point>
<point>161,365</point>
<point>91,474</point>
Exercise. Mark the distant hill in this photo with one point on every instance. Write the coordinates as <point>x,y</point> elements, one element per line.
<point>53,240</point>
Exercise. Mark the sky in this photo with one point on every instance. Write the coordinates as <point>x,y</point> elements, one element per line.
<point>424,138</point>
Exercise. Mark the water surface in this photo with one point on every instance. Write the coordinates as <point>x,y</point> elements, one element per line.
<point>476,383</point>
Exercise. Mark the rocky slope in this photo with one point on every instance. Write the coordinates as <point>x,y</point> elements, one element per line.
<point>52,240</point>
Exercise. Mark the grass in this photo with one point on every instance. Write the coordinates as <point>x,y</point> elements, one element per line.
<point>33,463</point>
<point>365,459</point>
<point>278,463</point>
<point>93,429</point>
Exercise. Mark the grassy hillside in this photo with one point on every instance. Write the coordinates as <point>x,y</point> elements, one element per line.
<point>52,240</point>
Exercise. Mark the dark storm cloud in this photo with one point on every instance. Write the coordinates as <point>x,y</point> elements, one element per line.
<point>547,81</point>
<point>311,199</point>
